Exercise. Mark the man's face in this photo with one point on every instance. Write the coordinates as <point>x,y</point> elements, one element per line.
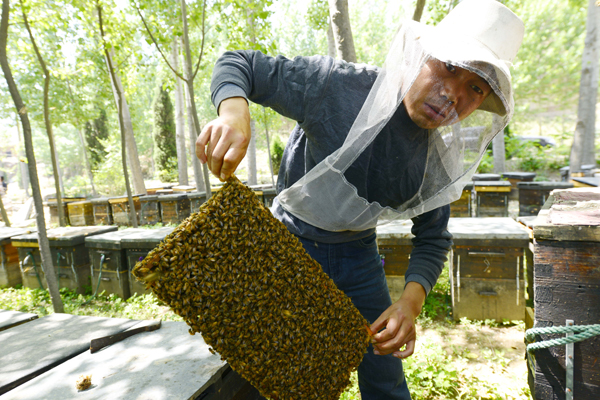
<point>444,94</point>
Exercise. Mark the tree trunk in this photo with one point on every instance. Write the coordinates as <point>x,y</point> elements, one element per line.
<point>47,265</point>
<point>251,151</point>
<point>132,153</point>
<point>251,154</point>
<point>179,119</point>
<point>48,124</point>
<point>268,146</point>
<point>3,213</point>
<point>583,148</point>
<point>340,21</point>
<point>123,112</point>
<point>331,50</point>
<point>192,108</point>
<point>498,149</point>
<point>22,164</point>
<point>419,10</point>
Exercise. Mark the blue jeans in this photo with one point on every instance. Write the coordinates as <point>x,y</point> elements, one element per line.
<point>356,269</point>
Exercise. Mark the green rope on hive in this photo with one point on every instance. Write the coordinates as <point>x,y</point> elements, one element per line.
<point>582,332</point>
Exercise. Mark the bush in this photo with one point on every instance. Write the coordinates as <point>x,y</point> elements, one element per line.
<point>277,148</point>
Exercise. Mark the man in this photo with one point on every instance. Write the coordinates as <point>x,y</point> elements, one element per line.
<point>372,145</point>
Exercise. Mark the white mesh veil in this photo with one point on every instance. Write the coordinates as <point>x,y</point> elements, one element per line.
<point>324,197</point>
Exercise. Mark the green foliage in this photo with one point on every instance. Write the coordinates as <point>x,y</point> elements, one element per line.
<point>317,15</point>
<point>437,303</point>
<point>165,153</point>
<point>277,148</point>
<point>487,162</point>
<point>109,177</point>
<point>37,301</point>
<point>96,133</point>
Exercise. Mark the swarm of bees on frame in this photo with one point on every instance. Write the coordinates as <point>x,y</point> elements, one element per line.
<point>237,276</point>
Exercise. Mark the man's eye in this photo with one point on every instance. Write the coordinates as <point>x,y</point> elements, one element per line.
<point>477,89</point>
<point>450,67</point>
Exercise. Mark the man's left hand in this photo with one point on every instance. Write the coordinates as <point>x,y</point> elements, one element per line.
<point>399,323</point>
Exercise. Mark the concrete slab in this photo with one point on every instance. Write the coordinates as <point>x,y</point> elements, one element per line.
<point>30,349</point>
<point>167,363</point>
<point>9,319</point>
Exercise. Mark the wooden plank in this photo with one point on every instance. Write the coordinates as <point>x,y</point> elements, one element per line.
<point>163,364</point>
<point>10,319</point>
<point>488,262</point>
<point>29,350</point>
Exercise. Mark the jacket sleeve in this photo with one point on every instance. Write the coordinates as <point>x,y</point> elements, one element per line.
<point>290,87</point>
<point>431,245</point>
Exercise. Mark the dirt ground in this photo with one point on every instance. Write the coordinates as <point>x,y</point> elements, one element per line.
<point>496,355</point>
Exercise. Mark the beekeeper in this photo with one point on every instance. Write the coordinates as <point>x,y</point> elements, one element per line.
<point>371,145</point>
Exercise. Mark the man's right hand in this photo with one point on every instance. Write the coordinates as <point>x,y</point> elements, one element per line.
<point>224,141</point>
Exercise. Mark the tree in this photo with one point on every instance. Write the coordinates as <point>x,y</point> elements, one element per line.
<point>47,122</point>
<point>179,118</point>
<point>45,254</point>
<point>583,148</point>
<point>122,111</point>
<point>201,174</point>
<point>419,10</point>
<point>96,132</point>
<point>164,137</point>
<point>342,32</point>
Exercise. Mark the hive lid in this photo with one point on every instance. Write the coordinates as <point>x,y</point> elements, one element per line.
<point>492,183</point>
<point>67,235</point>
<point>486,177</point>
<point>7,233</point>
<point>172,197</point>
<point>195,195</point>
<point>519,175</point>
<point>110,240</point>
<point>544,185</point>
<point>145,238</point>
<point>571,215</point>
<point>463,228</point>
<point>592,182</point>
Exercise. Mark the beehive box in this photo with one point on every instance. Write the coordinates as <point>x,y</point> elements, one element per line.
<point>81,213</point>
<point>514,178</point>
<point>149,210</point>
<point>53,208</point>
<point>108,262</point>
<point>102,211</point>
<point>487,280</point>
<point>533,195</point>
<point>269,195</point>
<point>10,274</point>
<point>567,286</point>
<point>237,275</point>
<point>196,200</point>
<point>69,256</point>
<point>137,245</point>
<point>174,208</point>
<point>491,198</point>
<point>461,208</point>
<point>394,241</point>
<point>120,209</point>
<point>183,189</point>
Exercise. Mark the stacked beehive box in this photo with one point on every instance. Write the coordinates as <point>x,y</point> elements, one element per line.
<point>567,287</point>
